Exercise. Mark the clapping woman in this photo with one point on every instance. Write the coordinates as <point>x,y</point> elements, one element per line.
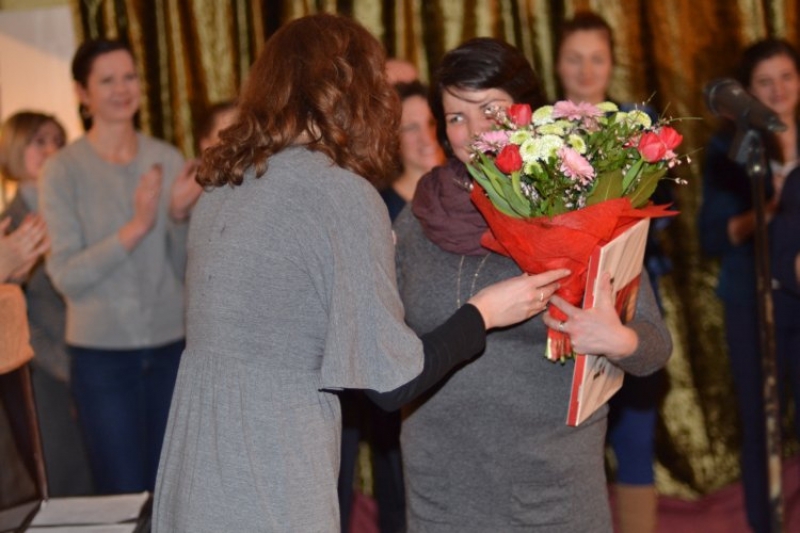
<point>116,203</point>
<point>27,140</point>
<point>489,449</point>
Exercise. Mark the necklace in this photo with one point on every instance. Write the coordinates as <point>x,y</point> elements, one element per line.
<point>465,185</point>
<point>474,279</point>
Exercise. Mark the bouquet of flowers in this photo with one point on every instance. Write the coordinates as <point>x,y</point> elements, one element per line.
<point>556,182</point>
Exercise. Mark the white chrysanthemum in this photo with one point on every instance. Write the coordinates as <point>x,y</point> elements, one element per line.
<point>532,168</point>
<point>577,143</point>
<point>637,117</point>
<point>566,125</point>
<point>543,115</point>
<point>619,118</point>
<point>519,137</point>
<point>540,148</point>
<point>551,129</point>
<point>607,107</point>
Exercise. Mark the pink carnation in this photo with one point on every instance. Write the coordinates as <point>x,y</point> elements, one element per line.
<point>575,165</point>
<point>491,141</point>
<point>572,111</point>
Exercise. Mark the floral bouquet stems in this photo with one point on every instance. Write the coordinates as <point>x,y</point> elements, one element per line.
<point>556,183</point>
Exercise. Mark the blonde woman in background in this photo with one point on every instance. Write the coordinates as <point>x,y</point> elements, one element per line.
<point>27,140</point>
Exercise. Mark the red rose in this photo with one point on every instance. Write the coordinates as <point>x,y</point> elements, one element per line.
<point>652,147</point>
<point>509,160</point>
<point>520,114</point>
<point>670,137</point>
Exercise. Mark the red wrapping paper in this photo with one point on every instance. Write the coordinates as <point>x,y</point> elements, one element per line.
<point>564,241</point>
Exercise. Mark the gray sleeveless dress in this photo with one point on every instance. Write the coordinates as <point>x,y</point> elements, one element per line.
<point>291,294</point>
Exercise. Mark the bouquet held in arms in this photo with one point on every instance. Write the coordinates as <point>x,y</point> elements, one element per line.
<point>557,182</point>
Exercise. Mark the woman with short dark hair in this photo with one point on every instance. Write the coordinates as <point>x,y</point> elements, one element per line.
<point>499,419</point>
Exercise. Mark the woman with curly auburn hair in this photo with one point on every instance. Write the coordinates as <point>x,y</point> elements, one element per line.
<point>341,105</point>
<point>292,294</point>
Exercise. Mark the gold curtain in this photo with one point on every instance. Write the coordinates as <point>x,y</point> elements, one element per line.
<point>191,53</point>
<point>195,52</point>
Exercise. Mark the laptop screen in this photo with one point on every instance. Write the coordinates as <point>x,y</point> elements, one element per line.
<point>20,493</point>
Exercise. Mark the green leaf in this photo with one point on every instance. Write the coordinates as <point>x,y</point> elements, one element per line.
<point>645,189</point>
<point>557,207</point>
<point>631,174</point>
<point>608,186</point>
<point>505,188</point>
<point>482,176</point>
<point>521,204</point>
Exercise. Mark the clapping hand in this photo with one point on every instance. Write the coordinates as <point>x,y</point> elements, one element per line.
<point>185,192</point>
<point>21,248</point>
<point>599,330</point>
<point>145,208</point>
<point>146,197</point>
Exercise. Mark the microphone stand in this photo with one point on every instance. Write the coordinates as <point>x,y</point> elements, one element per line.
<point>748,150</point>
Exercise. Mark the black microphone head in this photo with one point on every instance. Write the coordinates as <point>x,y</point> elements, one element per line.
<point>727,98</point>
<point>721,91</point>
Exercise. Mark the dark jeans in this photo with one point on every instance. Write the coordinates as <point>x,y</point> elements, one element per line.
<point>632,425</point>
<point>741,329</point>
<point>123,399</point>
<point>634,409</point>
<point>362,418</point>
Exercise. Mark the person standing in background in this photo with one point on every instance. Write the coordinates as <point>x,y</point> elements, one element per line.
<point>584,65</point>
<point>419,150</point>
<point>27,140</point>
<point>117,204</point>
<point>400,71</point>
<point>216,118</point>
<point>22,247</point>
<point>418,153</point>
<point>770,71</point>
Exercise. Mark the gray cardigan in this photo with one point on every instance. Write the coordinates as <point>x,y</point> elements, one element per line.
<point>489,449</point>
<point>115,299</point>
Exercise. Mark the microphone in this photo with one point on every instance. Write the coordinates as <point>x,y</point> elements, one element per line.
<point>727,98</point>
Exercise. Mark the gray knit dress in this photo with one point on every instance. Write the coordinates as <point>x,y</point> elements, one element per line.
<point>489,449</point>
<point>291,294</point>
